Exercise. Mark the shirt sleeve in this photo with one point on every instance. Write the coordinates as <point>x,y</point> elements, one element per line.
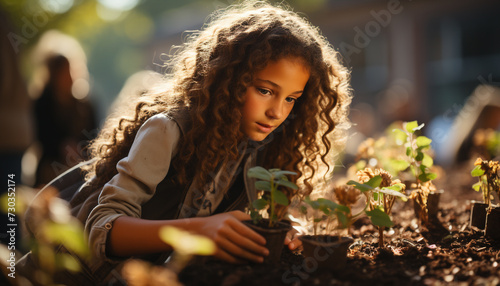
<point>138,175</point>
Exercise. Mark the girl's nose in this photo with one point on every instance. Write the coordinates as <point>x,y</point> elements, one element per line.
<point>275,110</point>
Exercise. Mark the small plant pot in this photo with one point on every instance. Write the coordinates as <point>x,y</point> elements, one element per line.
<point>492,226</point>
<point>325,251</point>
<point>432,205</point>
<point>275,237</point>
<point>478,214</point>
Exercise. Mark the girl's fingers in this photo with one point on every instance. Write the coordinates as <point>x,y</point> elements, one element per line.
<point>245,238</point>
<point>294,244</point>
<point>239,215</point>
<point>238,252</point>
<point>247,232</point>
<point>226,256</point>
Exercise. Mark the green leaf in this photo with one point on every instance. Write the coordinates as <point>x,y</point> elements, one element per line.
<point>263,185</point>
<point>400,136</point>
<point>374,182</point>
<point>379,218</point>
<point>279,174</point>
<point>394,193</point>
<point>477,171</point>
<point>259,173</point>
<point>477,186</point>
<point>408,151</point>
<point>260,204</point>
<point>342,208</point>
<point>423,141</point>
<point>427,161</point>
<point>396,187</point>
<point>410,126</point>
<point>327,203</point>
<point>287,184</point>
<point>427,177</point>
<point>280,198</point>
<point>398,165</point>
<point>419,156</point>
<point>313,204</point>
<point>422,168</point>
<point>413,126</point>
<point>324,209</point>
<point>344,221</point>
<point>361,187</point>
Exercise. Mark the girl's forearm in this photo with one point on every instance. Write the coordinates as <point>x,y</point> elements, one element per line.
<point>134,236</point>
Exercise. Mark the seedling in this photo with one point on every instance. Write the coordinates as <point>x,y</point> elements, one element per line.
<point>269,182</point>
<point>489,181</point>
<point>381,193</point>
<point>420,163</point>
<point>327,211</point>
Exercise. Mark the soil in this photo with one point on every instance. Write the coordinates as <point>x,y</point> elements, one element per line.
<point>448,253</point>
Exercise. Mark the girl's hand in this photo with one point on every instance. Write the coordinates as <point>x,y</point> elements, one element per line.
<point>235,241</point>
<point>292,241</point>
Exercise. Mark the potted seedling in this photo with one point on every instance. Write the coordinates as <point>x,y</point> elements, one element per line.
<point>424,194</point>
<point>327,250</point>
<point>381,193</point>
<point>486,213</point>
<point>275,202</point>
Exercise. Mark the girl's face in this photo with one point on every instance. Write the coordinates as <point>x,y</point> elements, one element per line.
<point>270,98</point>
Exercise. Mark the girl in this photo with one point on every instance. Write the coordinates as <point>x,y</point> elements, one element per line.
<point>257,86</point>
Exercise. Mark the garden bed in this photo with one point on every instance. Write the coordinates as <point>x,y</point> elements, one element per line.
<point>451,253</point>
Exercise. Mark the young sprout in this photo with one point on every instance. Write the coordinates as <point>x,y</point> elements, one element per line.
<point>327,211</point>
<point>489,181</point>
<point>348,195</point>
<point>381,193</point>
<point>420,163</point>
<point>269,181</point>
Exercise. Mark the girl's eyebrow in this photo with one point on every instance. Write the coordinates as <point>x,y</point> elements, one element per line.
<point>275,85</point>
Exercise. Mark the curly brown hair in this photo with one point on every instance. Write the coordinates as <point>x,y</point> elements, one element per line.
<point>209,75</point>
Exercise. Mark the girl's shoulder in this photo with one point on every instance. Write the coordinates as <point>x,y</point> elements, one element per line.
<point>180,116</point>
<point>169,121</point>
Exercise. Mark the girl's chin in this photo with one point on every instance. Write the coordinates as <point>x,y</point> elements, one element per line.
<point>257,137</point>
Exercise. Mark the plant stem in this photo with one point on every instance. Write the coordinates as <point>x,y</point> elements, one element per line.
<point>489,184</point>
<point>271,216</point>
<point>381,236</point>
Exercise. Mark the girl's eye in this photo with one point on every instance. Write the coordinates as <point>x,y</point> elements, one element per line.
<point>291,100</point>
<point>264,91</point>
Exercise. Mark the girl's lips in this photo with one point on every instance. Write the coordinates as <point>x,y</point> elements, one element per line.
<point>264,127</point>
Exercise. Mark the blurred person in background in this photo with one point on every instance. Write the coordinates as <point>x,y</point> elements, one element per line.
<point>16,121</point>
<point>65,117</point>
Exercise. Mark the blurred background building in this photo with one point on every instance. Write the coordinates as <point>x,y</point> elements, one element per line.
<point>410,59</point>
